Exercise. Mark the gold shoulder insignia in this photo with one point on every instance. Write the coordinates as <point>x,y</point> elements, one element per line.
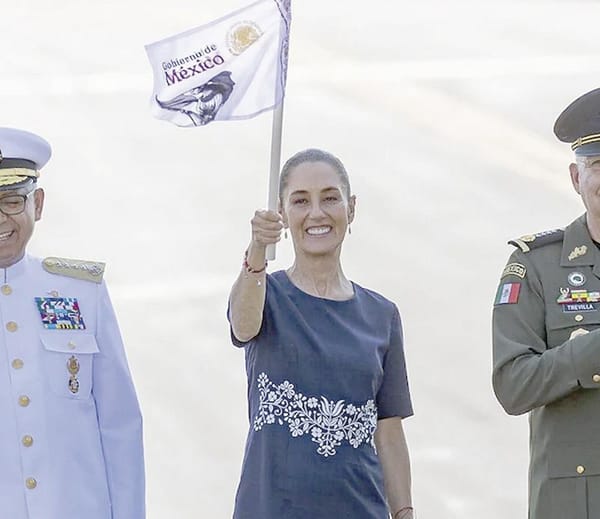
<point>78,269</point>
<point>534,241</point>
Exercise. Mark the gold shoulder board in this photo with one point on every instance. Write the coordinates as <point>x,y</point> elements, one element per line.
<point>78,269</point>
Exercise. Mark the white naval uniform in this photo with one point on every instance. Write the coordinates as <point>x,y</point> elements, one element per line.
<point>65,455</point>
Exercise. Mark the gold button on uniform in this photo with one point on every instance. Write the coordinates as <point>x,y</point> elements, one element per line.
<point>24,400</point>
<point>30,483</point>
<point>6,290</point>
<point>11,326</point>
<point>579,318</point>
<point>596,378</point>
<point>27,440</point>
<point>17,363</point>
<point>580,469</point>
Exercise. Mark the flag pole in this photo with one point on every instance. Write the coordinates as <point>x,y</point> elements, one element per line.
<point>273,201</point>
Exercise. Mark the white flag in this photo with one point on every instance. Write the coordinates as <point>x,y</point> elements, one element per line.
<point>231,68</point>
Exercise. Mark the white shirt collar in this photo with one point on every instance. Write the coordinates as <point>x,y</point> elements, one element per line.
<point>14,271</point>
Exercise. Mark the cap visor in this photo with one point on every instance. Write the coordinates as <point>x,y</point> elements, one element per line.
<point>588,150</point>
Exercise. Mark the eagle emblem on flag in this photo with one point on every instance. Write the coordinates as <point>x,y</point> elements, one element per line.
<point>202,103</point>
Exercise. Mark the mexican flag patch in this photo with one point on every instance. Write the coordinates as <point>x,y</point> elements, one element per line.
<point>508,294</point>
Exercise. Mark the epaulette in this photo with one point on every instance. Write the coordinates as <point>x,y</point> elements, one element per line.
<point>534,241</point>
<point>78,269</point>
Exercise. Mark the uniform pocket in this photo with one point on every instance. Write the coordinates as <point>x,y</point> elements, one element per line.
<point>68,362</point>
<point>562,326</point>
<point>574,472</point>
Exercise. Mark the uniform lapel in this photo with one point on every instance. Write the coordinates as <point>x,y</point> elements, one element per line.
<point>578,247</point>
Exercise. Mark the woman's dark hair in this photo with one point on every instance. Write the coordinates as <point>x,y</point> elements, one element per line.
<point>313,155</point>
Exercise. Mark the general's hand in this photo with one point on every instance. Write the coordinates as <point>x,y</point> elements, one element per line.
<point>266,228</point>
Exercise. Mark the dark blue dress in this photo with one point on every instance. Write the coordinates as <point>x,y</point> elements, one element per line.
<point>320,374</point>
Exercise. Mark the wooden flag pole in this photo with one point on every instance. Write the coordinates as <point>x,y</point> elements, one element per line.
<point>273,202</point>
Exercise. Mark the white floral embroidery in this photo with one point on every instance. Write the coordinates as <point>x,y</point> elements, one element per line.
<point>328,422</point>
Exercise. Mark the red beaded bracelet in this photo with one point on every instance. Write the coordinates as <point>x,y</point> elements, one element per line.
<point>249,269</point>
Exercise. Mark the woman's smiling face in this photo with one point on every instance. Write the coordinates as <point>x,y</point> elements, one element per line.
<point>316,208</point>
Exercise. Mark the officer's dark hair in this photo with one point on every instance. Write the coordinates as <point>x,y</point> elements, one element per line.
<point>313,155</point>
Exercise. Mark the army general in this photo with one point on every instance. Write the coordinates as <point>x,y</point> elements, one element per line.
<point>70,425</point>
<point>546,335</point>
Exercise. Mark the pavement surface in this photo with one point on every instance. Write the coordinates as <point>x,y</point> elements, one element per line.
<point>442,112</point>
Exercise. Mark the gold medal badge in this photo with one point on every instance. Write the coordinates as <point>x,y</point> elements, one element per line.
<point>242,35</point>
<point>73,369</point>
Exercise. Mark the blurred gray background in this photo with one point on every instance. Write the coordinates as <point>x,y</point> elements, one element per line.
<point>442,112</point>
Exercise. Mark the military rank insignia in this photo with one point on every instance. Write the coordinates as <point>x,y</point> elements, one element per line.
<point>508,294</point>
<point>60,313</point>
<point>577,252</point>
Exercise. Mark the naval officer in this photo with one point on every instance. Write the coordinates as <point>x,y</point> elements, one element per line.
<point>70,425</point>
<point>546,335</point>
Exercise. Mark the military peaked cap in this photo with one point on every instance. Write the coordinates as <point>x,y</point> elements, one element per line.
<point>22,155</point>
<point>579,124</point>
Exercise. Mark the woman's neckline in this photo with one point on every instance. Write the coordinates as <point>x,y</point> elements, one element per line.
<point>319,298</point>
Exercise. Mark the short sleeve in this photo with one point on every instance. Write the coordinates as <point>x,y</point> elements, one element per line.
<point>234,340</point>
<point>393,397</point>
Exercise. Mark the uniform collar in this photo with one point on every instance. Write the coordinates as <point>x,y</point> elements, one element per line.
<point>14,271</point>
<point>578,247</point>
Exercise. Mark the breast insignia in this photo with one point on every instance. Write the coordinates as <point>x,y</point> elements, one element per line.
<point>78,269</point>
<point>73,368</point>
<point>529,242</point>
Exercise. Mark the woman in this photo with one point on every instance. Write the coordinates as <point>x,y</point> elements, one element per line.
<point>325,365</point>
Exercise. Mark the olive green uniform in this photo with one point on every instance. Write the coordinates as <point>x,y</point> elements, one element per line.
<point>546,339</point>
